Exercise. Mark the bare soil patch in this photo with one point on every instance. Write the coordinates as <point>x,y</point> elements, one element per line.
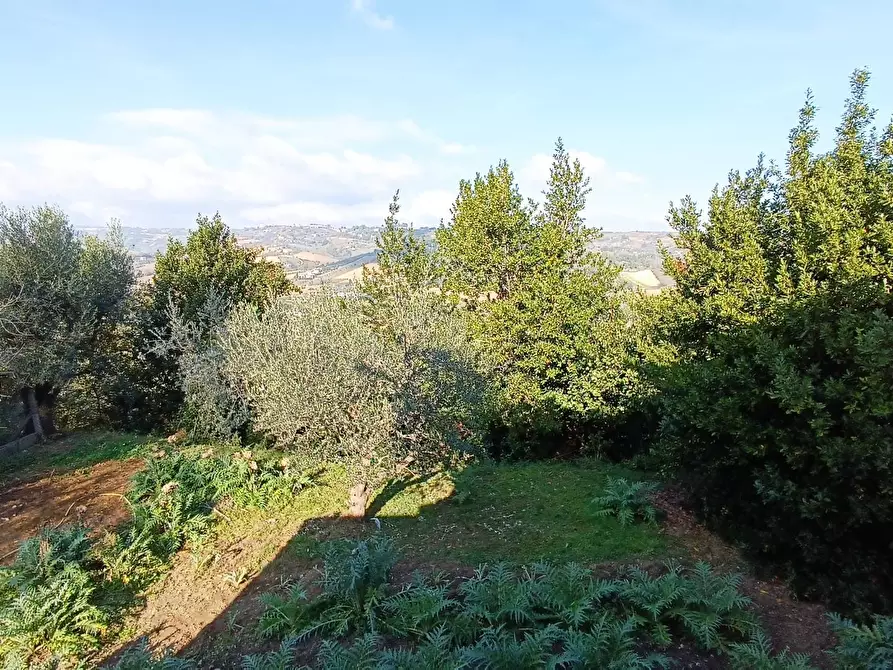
<point>91,497</point>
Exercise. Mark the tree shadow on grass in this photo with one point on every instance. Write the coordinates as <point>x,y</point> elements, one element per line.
<point>392,489</point>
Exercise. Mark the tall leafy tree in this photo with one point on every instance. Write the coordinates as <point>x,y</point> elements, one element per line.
<point>63,296</point>
<point>210,266</point>
<point>778,413</point>
<point>485,246</point>
<point>549,312</point>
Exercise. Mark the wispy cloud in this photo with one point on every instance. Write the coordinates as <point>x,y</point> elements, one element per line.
<point>365,9</point>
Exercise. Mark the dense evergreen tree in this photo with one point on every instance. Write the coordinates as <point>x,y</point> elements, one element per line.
<point>210,266</point>
<point>549,313</point>
<point>778,411</point>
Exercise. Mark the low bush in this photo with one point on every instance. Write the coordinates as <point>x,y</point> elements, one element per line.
<point>51,598</point>
<point>173,499</point>
<point>863,647</point>
<point>140,657</point>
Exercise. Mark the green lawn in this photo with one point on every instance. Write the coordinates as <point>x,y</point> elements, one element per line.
<point>513,512</point>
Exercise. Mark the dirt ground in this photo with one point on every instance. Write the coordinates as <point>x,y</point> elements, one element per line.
<point>92,497</point>
<point>800,626</point>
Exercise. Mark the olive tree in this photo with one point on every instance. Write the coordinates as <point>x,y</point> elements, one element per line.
<point>62,297</point>
<point>379,396</point>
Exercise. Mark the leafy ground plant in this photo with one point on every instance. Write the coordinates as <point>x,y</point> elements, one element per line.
<point>863,647</point>
<point>627,500</point>
<point>140,657</point>
<point>542,616</point>
<point>64,593</point>
<point>52,598</point>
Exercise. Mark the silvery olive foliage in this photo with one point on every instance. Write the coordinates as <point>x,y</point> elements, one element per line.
<point>213,406</point>
<point>380,390</point>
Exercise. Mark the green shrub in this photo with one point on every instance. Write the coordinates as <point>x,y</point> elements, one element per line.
<point>59,615</point>
<point>173,497</point>
<point>286,613</point>
<point>627,501</point>
<point>51,597</point>
<point>707,606</point>
<point>46,555</point>
<point>611,644</point>
<point>756,654</point>
<point>278,659</point>
<point>777,413</point>
<point>436,650</point>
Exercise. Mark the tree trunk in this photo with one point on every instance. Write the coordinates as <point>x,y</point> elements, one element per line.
<point>34,413</point>
<point>357,501</point>
<point>46,399</point>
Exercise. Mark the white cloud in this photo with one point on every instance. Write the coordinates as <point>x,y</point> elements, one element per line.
<point>454,148</point>
<point>159,167</point>
<point>429,207</point>
<point>168,164</point>
<point>618,199</point>
<point>628,177</point>
<point>365,9</point>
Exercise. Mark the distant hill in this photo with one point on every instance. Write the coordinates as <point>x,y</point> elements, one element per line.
<point>314,255</point>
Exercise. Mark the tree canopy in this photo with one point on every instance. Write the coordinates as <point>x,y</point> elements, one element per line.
<point>62,294</point>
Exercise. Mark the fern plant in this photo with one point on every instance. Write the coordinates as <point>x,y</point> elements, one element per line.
<point>58,615</point>
<point>354,582</point>
<point>756,654</point>
<point>286,614</point>
<point>278,659</point>
<point>496,596</point>
<point>499,649</point>
<point>17,661</point>
<point>354,589</point>
<point>568,594</point>
<point>435,651</point>
<point>610,644</point>
<point>140,657</point>
<point>707,606</point>
<point>46,555</point>
<point>863,647</point>
<point>627,501</point>
<point>131,556</point>
<point>362,655</point>
<point>419,608</point>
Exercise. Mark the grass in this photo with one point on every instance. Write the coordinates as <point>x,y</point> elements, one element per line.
<point>507,512</point>
<point>73,452</point>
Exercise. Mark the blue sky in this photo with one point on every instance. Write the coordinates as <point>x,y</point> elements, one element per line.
<point>283,111</point>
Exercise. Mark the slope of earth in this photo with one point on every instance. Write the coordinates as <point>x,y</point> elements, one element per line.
<point>62,483</point>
